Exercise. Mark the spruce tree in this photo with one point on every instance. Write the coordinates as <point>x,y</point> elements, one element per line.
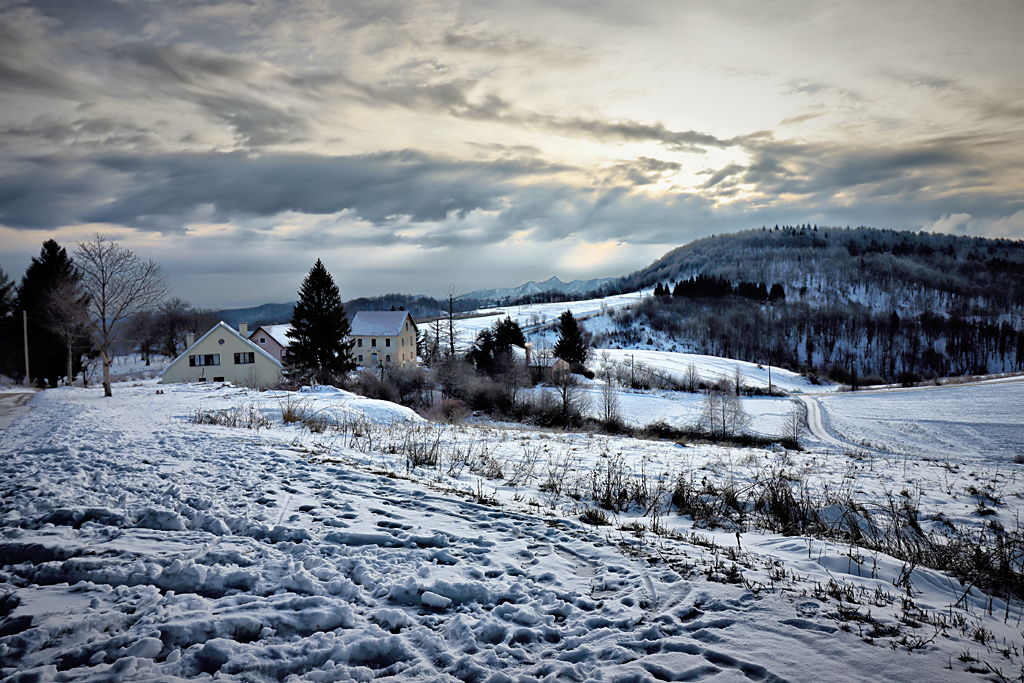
<point>9,344</point>
<point>570,347</point>
<point>321,348</point>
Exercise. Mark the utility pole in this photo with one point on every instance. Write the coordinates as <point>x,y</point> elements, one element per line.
<point>24,321</point>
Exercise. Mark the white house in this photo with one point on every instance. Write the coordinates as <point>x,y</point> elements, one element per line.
<point>273,339</point>
<point>224,355</point>
<point>384,337</point>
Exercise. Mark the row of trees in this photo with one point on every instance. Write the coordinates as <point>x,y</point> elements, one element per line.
<point>845,341</point>
<point>74,308</point>
<point>715,287</point>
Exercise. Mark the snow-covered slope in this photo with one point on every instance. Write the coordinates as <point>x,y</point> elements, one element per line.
<point>138,545</point>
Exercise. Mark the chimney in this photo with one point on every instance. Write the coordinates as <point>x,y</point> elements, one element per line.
<point>243,329</point>
<point>190,339</point>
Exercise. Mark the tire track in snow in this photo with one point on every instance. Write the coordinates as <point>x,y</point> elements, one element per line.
<point>816,425</point>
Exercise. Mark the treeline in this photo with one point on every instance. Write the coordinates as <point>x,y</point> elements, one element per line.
<point>50,306</point>
<point>714,287</point>
<point>904,271</point>
<point>849,343</point>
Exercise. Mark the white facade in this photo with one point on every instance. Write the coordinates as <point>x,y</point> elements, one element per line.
<point>384,338</point>
<point>224,355</point>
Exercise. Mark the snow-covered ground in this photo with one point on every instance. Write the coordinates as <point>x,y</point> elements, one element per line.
<point>710,369</point>
<point>966,420</point>
<point>137,543</point>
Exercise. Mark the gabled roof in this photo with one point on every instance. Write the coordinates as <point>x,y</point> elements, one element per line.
<point>278,333</point>
<point>380,323</point>
<point>223,328</point>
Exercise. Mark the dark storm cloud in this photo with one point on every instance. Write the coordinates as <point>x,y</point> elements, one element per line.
<point>184,66</point>
<point>25,64</point>
<point>899,186</point>
<point>230,89</point>
<point>164,190</point>
<point>797,168</point>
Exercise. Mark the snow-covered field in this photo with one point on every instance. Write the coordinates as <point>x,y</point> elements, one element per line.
<point>533,315</point>
<point>138,544</point>
<point>958,421</point>
<point>710,369</point>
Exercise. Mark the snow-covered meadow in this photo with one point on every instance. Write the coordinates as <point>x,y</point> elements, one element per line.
<point>361,542</point>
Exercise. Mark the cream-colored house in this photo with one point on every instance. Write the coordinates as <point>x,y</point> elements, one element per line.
<point>384,337</point>
<point>273,339</point>
<point>224,355</point>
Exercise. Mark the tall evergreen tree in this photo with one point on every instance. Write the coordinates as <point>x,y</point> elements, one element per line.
<point>571,346</point>
<point>9,344</point>
<point>321,347</point>
<point>47,351</point>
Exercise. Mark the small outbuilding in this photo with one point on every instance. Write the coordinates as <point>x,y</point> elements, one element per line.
<point>384,338</point>
<point>224,355</point>
<point>273,339</point>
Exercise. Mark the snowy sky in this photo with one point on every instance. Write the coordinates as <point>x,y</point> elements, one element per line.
<point>416,145</point>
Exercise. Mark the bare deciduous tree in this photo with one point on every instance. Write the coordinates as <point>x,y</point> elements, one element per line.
<point>571,393</point>
<point>691,379</point>
<point>451,295</point>
<point>609,403</point>
<point>722,415</point>
<point>795,427</point>
<point>69,318</point>
<point>119,285</point>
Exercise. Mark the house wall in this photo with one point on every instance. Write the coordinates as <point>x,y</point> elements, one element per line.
<point>369,350</point>
<point>261,373</point>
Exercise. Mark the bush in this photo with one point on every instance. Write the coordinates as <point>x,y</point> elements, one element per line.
<point>450,410</point>
<point>595,517</point>
<point>908,378</point>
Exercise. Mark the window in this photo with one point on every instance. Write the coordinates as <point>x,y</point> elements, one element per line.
<point>245,358</point>
<point>388,358</point>
<point>263,340</point>
<point>403,341</point>
<point>359,343</point>
<point>218,379</point>
<point>387,342</point>
<point>360,357</point>
<point>199,361</point>
<point>373,342</point>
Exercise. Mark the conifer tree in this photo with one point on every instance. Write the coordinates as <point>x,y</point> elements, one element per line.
<point>570,347</point>
<point>321,347</point>
<point>48,272</point>
<point>9,347</point>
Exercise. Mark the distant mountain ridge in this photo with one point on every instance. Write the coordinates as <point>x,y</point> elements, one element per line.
<point>552,284</point>
<point>257,315</point>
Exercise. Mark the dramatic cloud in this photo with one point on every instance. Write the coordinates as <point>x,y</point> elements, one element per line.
<point>482,144</point>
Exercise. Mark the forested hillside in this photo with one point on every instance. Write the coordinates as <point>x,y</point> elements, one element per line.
<point>850,302</point>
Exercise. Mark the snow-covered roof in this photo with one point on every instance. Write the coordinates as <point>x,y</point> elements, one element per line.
<point>278,333</point>
<point>379,323</point>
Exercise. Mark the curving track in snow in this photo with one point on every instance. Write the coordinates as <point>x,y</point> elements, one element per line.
<point>816,418</point>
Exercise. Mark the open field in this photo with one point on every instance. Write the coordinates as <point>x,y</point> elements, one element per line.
<point>327,537</point>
